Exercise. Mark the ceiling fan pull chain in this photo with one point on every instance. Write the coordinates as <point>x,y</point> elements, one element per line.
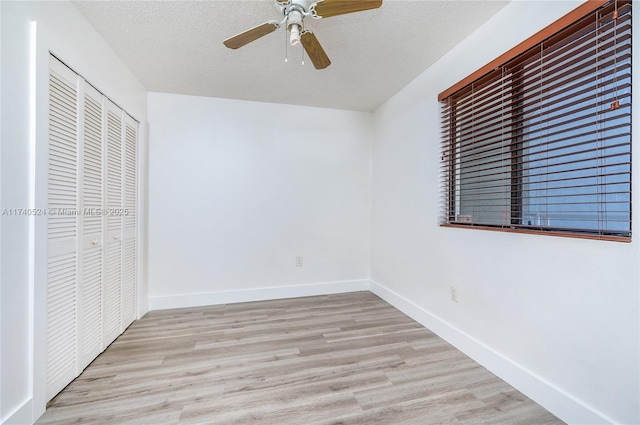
<point>286,47</point>
<point>303,30</point>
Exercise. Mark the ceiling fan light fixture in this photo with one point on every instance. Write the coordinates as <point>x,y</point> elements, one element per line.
<point>294,39</point>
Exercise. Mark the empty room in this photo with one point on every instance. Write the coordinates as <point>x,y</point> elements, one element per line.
<point>306,212</point>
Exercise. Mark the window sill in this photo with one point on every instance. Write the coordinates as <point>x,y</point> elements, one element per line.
<point>610,238</point>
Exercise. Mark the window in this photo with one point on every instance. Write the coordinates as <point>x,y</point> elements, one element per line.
<point>539,140</point>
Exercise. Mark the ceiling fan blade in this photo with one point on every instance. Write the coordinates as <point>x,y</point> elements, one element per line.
<point>314,50</point>
<point>251,35</point>
<point>329,8</point>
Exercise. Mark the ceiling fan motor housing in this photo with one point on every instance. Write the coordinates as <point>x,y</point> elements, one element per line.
<point>294,15</point>
<point>294,18</point>
<point>302,6</point>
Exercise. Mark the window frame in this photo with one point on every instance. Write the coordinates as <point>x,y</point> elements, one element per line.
<point>450,179</point>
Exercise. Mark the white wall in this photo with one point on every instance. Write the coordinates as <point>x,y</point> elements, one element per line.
<point>556,317</point>
<point>239,189</point>
<point>63,30</point>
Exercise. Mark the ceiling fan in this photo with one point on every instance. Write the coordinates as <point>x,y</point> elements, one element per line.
<point>294,12</point>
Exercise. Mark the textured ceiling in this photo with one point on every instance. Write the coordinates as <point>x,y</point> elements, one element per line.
<point>176,47</point>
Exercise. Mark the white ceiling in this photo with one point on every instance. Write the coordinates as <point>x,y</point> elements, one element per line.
<point>176,47</point>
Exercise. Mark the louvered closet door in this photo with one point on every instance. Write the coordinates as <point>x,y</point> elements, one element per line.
<point>61,228</point>
<point>112,322</point>
<point>129,192</point>
<point>91,225</point>
<point>91,197</point>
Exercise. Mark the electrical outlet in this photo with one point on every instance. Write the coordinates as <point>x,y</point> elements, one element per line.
<point>298,261</point>
<point>453,292</point>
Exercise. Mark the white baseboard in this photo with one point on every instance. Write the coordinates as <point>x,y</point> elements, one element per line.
<point>21,416</point>
<point>256,294</point>
<point>552,398</point>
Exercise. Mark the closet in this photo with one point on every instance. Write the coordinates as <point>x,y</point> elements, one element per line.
<point>91,224</point>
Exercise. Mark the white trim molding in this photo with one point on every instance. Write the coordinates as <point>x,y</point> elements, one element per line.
<point>22,415</point>
<point>549,396</point>
<point>256,294</point>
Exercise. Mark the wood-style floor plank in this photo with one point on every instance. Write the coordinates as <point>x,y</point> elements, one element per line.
<point>326,360</point>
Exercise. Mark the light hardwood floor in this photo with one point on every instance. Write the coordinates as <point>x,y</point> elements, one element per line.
<point>337,359</point>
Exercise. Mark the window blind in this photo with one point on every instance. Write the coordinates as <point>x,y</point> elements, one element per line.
<point>542,142</point>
